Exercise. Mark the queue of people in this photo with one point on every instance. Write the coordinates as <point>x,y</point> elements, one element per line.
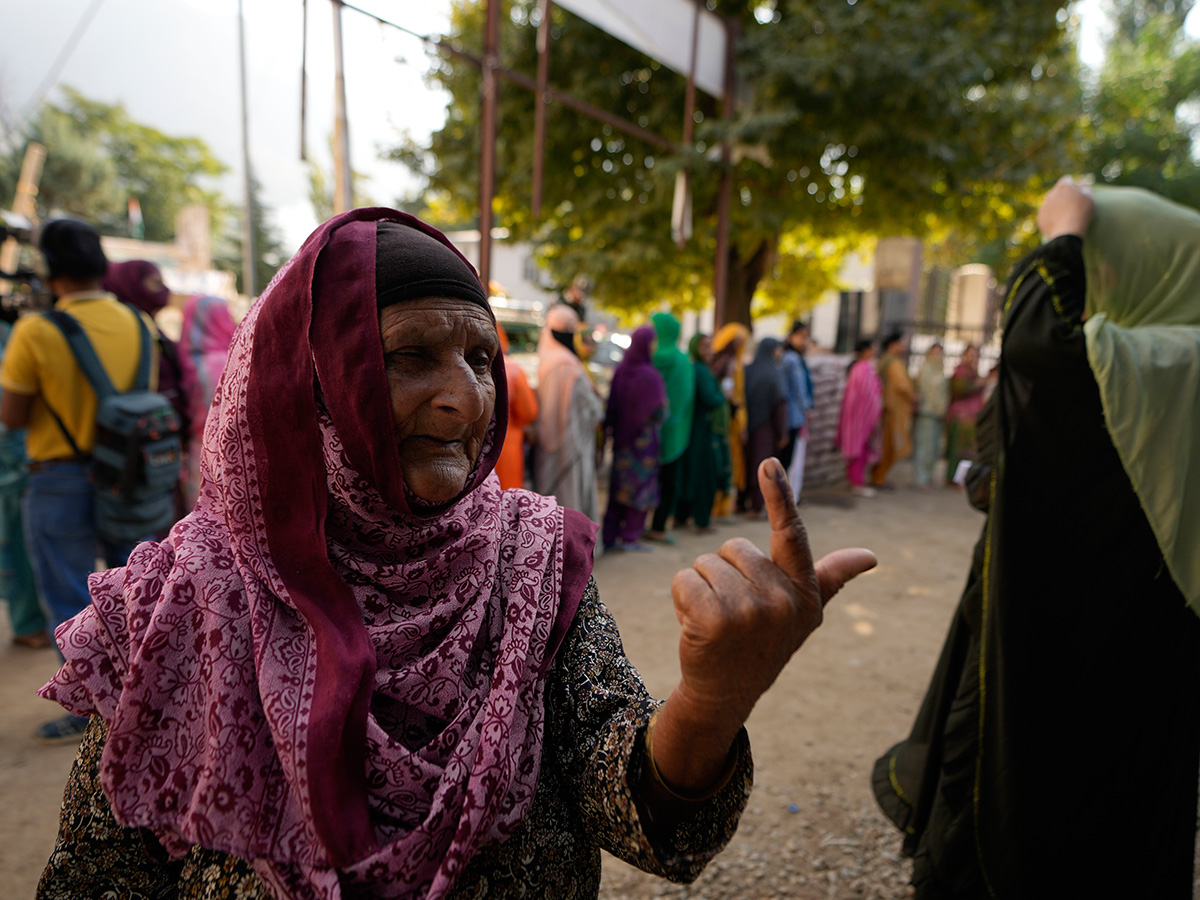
<point>886,415</point>
<point>705,448</point>
<point>684,432</point>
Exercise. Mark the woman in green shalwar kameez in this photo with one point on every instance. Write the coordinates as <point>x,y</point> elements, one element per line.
<point>680,378</point>
<point>1056,752</point>
<point>701,473</point>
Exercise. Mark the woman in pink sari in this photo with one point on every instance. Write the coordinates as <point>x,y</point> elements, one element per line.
<point>862,405</point>
<point>203,348</point>
<point>360,669</point>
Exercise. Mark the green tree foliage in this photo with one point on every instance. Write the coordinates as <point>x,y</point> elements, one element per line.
<point>854,119</point>
<point>1141,107</point>
<point>268,243</point>
<point>98,157</point>
<point>320,189</point>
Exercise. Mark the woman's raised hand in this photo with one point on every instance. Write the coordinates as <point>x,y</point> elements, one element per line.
<point>743,614</point>
<point>1067,208</point>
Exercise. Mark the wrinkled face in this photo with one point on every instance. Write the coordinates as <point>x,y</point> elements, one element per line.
<point>438,354</point>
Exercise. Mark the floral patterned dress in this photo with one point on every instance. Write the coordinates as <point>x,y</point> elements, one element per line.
<point>597,709</point>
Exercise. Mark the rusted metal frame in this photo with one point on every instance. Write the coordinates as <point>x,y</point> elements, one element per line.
<point>725,194</point>
<point>557,96</point>
<point>551,94</point>
<point>539,111</point>
<point>545,93</point>
<point>249,252</point>
<point>487,156</point>
<point>343,190</point>
<point>630,128</point>
<point>689,112</point>
<point>303,80</point>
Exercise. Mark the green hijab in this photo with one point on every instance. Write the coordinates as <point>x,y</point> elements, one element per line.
<point>680,379</point>
<point>1142,258</point>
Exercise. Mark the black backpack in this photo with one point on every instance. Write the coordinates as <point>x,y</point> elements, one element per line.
<point>137,458</point>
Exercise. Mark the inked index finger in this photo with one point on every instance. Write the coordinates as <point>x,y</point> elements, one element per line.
<point>789,540</point>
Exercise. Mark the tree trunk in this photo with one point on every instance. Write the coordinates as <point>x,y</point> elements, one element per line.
<point>745,272</point>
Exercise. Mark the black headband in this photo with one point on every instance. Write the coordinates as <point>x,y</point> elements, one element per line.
<point>410,265</point>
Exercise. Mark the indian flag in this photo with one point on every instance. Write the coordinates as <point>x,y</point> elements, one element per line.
<point>137,228</point>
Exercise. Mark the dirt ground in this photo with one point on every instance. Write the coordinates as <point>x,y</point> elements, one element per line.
<point>811,829</point>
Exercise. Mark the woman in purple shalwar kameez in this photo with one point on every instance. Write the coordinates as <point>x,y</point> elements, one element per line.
<point>637,406</point>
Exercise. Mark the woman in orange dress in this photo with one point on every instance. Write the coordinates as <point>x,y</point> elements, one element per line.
<point>522,412</point>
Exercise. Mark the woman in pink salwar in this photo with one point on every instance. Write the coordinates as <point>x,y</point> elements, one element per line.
<point>862,405</point>
<point>203,348</point>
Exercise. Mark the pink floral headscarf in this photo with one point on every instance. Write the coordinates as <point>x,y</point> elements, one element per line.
<point>306,673</point>
<point>204,343</point>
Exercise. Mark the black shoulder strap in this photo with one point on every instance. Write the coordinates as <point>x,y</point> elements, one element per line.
<point>89,362</point>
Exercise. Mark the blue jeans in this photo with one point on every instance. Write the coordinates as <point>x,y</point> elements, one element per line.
<point>62,541</point>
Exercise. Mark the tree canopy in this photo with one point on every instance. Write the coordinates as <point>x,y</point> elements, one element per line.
<point>1140,112</point>
<point>99,157</point>
<point>854,119</point>
<point>268,244</point>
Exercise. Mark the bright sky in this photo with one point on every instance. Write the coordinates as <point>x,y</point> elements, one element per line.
<point>174,63</point>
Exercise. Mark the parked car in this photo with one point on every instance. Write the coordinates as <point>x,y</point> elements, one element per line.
<point>610,349</point>
<point>522,321</point>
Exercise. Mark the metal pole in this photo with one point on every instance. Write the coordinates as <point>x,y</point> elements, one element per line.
<point>725,195</point>
<point>248,254</point>
<point>303,80</point>
<point>341,129</point>
<point>539,110</point>
<point>487,155</point>
<point>689,124</point>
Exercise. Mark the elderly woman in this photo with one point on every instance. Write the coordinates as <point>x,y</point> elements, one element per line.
<point>1060,732</point>
<point>359,668</point>
<point>569,412</point>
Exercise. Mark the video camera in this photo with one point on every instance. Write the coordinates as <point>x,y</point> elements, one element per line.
<point>23,288</point>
